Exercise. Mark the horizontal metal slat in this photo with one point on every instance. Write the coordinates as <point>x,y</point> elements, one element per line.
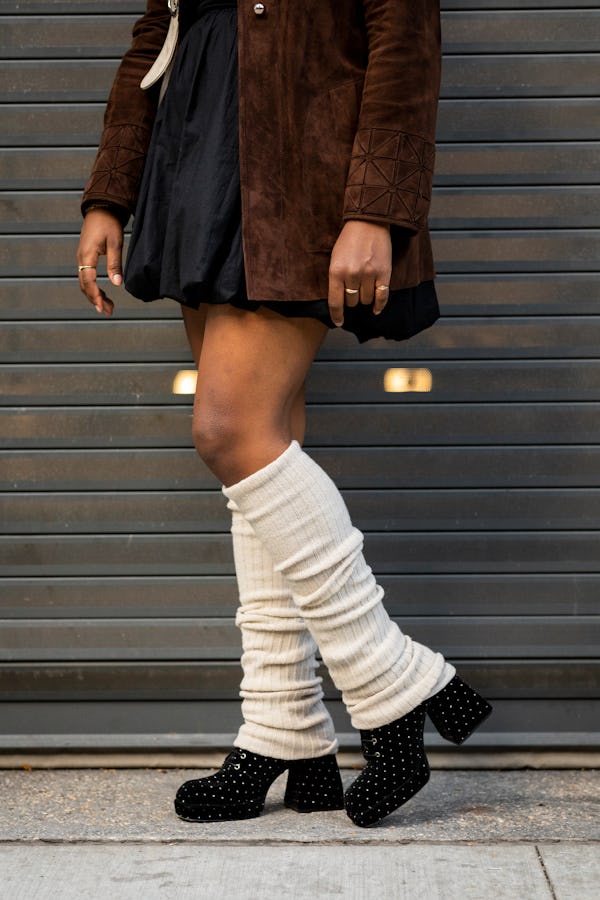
<point>32,212</point>
<point>61,298</point>
<point>66,36</point>
<point>156,512</point>
<point>524,251</point>
<point>378,424</point>
<point>484,31</point>
<point>66,724</point>
<point>565,162</point>
<point>468,76</point>
<point>211,554</point>
<point>541,294</point>
<point>551,466</point>
<point>518,120</point>
<point>45,168</point>
<point>95,7</point>
<point>519,75</point>
<point>328,382</point>
<point>100,340</point>
<point>405,595</point>
<point>478,637</point>
<point>120,681</point>
<point>79,124</point>
<point>498,251</point>
<point>135,7</point>
<point>535,293</point>
<point>515,207</point>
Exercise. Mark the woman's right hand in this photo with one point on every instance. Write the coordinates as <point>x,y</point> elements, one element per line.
<point>101,234</point>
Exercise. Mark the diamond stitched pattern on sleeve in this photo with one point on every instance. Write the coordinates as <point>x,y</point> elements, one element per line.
<point>120,162</point>
<point>390,175</point>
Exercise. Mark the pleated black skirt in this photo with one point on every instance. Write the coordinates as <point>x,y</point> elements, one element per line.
<point>186,242</point>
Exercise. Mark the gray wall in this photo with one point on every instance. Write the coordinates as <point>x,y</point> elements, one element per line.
<point>479,499</point>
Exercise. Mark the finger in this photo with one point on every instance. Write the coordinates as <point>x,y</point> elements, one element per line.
<point>335,297</point>
<point>105,304</point>
<point>96,296</point>
<point>89,286</point>
<point>367,289</point>
<point>352,294</point>
<point>114,260</point>
<point>382,295</point>
<point>87,276</point>
<point>382,292</point>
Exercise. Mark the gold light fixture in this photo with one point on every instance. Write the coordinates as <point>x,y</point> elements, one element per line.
<point>185,382</point>
<point>401,381</point>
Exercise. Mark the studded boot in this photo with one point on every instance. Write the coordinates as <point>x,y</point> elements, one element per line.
<point>397,766</point>
<point>238,790</point>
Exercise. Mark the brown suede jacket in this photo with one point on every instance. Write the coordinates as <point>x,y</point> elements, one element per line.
<point>338,102</point>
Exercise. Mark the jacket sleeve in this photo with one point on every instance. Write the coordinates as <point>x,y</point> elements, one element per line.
<point>129,117</point>
<point>391,168</point>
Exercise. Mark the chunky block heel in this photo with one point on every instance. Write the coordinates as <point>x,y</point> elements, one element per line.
<point>239,789</point>
<point>314,785</point>
<point>457,710</point>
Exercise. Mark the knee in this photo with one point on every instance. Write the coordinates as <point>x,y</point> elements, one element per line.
<point>217,439</point>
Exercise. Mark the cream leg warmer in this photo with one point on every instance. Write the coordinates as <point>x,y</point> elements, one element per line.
<point>282,705</point>
<point>300,517</point>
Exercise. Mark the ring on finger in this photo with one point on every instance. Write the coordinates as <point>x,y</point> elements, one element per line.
<point>382,287</point>
<point>351,290</point>
<point>81,268</point>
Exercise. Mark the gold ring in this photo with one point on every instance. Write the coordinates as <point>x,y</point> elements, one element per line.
<point>351,290</point>
<point>81,268</point>
<point>382,287</point>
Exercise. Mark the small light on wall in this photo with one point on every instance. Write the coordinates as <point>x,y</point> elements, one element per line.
<point>399,381</point>
<point>185,382</point>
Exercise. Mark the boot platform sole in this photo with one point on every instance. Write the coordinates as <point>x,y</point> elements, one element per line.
<point>224,814</point>
<point>371,815</point>
<point>207,813</point>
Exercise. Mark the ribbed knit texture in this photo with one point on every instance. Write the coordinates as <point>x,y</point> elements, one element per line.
<point>282,705</point>
<point>301,519</point>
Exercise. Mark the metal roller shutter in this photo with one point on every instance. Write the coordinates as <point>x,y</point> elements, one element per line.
<point>479,498</point>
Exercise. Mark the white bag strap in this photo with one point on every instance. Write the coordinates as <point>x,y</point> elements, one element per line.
<point>162,63</point>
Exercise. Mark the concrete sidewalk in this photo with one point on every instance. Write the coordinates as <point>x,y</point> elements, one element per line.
<point>101,834</point>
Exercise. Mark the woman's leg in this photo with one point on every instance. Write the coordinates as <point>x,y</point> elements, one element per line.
<point>251,366</point>
<point>195,323</point>
<point>279,683</point>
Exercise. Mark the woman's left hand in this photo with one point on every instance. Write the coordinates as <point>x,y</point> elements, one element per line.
<point>361,260</point>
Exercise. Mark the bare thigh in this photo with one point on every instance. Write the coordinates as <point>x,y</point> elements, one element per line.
<point>195,322</point>
<point>249,400</point>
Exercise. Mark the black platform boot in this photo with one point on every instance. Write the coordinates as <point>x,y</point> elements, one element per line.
<point>238,790</point>
<point>397,765</point>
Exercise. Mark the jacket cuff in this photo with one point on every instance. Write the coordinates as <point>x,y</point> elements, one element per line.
<point>390,178</point>
<point>118,168</point>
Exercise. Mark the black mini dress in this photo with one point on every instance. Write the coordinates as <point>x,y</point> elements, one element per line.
<point>186,242</point>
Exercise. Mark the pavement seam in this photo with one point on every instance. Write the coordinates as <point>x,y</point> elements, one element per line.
<point>32,842</point>
<point>545,871</point>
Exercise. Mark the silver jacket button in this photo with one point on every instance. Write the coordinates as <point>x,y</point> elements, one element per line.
<point>259,8</point>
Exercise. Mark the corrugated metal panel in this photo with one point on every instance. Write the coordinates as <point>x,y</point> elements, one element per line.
<point>479,499</point>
